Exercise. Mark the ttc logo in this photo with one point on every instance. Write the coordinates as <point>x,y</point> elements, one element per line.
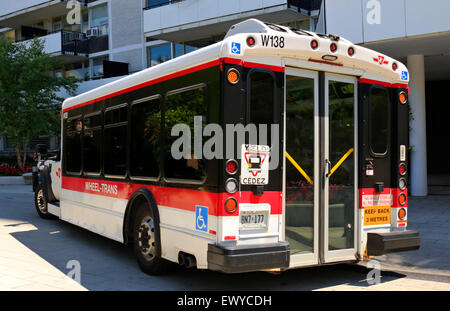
<point>235,48</point>
<point>201,218</point>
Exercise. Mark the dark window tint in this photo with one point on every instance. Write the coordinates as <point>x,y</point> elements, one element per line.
<point>145,133</point>
<point>73,145</point>
<point>117,115</point>
<point>115,142</point>
<point>261,101</point>
<point>379,115</point>
<point>182,107</point>
<point>92,139</point>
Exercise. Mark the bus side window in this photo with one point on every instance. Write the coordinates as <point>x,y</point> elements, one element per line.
<point>261,110</point>
<point>181,106</point>
<point>379,120</point>
<point>145,133</point>
<point>115,141</point>
<point>92,139</point>
<point>73,145</point>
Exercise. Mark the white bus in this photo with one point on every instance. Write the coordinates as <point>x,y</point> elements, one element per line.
<point>337,194</point>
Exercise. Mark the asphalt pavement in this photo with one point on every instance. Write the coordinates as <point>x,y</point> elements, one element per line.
<point>38,254</point>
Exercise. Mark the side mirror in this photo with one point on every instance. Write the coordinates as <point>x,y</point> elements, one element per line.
<point>41,150</point>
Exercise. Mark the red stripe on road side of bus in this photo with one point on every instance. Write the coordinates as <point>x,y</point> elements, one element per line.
<point>147,83</point>
<point>184,199</point>
<point>180,73</point>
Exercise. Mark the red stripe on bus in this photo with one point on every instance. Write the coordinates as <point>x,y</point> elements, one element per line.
<point>369,81</point>
<point>240,62</point>
<point>175,75</point>
<point>184,199</point>
<point>387,84</point>
<point>150,82</point>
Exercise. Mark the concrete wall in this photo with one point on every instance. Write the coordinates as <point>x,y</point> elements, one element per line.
<point>52,43</point>
<point>372,20</point>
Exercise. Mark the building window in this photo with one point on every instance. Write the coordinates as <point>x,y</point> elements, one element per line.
<point>156,3</point>
<point>99,18</point>
<point>159,54</point>
<point>97,66</point>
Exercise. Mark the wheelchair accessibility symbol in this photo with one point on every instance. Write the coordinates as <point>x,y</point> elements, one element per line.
<point>235,48</point>
<point>404,75</point>
<point>201,218</point>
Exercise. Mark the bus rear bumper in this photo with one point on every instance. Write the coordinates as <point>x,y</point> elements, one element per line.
<point>247,258</point>
<point>392,242</point>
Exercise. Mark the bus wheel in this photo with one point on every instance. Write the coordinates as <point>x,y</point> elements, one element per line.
<point>146,242</point>
<point>40,201</point>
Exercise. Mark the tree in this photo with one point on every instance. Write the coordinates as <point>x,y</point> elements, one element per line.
<point>29,101</point>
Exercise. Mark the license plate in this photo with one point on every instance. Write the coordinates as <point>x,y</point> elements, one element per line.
<point>253,219</point>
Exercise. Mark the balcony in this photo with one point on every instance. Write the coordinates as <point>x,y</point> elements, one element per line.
<point>194,19</point>
<point>71,43</point>
<point>27,12</point>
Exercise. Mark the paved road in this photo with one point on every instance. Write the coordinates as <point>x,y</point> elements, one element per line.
<point>34,254</point>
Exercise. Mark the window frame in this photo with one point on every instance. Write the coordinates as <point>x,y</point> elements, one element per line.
<point>163,114</point>
<point>160,167</point>
<point>274,119</point>
<point>96,128</point>
<point>79,173</point>
<point>389,118</point>
<point>127,143</point>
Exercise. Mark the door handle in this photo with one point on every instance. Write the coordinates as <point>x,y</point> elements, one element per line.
<point>328,167</point>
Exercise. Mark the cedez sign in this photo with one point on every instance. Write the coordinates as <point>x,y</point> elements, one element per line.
<point>255,164</point>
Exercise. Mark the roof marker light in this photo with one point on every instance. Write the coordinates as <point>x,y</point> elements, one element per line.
<point>333,47</point>
<point>314,44</point>
<point>351,51</point>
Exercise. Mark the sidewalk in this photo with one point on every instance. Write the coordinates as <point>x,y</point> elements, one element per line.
<point>20,267</point>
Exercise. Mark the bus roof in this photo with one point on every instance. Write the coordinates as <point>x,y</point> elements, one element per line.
<point>274,45</point>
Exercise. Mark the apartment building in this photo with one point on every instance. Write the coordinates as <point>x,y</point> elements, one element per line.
<point>112,38</point>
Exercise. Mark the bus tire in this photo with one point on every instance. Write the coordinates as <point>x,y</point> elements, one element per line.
<point>40,202</point>
<point>147,243</point>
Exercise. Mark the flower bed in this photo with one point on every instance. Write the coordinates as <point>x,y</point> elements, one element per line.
<point>13,170</point>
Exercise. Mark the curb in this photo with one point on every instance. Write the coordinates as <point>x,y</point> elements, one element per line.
<point>12,180</point>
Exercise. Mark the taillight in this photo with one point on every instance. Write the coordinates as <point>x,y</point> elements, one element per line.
<point>402,213</point>
<point>402,169</point>
<point>403,97</point>
<point>230,205</point>
<point>231,167</point>
<point>402,199</point>
<point>233,76</point>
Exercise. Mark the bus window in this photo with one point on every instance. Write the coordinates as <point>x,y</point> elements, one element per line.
<point>181,106</point>
<point>73,145</point>
<point>261,102</point>
<point>379,115</point>
<point>115,141</point>
<point>92,138</point>
<point>145,131</point>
